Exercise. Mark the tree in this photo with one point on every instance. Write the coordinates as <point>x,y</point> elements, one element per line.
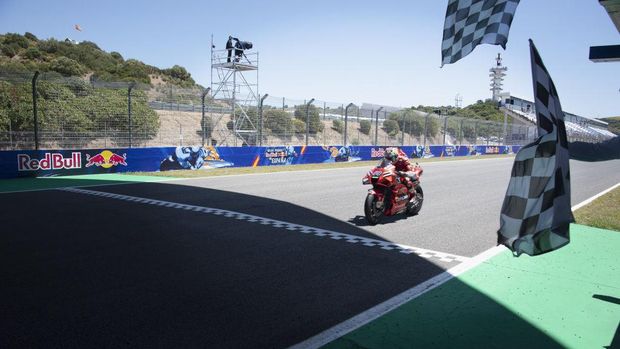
<point>432,126</point>
<point>316,125</point>
<point>278,121</point>
<point>178,72</point>
<point>117,56</point>
<point>365,127</point>
<point>391,127</point>
<point>134,70</point>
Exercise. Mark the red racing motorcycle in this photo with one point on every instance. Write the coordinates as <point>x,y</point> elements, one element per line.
<point>389,194</point>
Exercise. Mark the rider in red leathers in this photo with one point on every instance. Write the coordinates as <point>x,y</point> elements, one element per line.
<point>403,167</point>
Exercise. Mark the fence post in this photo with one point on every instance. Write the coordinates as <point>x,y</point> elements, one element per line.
<point>425,129</point>
<point>308,119</point>
<point>260,120</point>
<point>131,85</point>
<point>402,133</point>
<point>105,133</point>
<point>34,110</point>
<point>346,122</point>
<point>202,99</point>
<point>445,129</point>
<point>324,107</point>
<point>505,125</point>
<point>10,134</point>
<point>475,132</point>
<point>377,126</point>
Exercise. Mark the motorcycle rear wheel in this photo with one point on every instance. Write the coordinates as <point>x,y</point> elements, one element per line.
<point>371,211</point>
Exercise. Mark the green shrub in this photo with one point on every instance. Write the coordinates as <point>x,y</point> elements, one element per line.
<point>89,44</point>
<point>31,37</point>
<point>338,126</point>
<point>19,40</point>
<point>391,127</point>
<point>33,53</point>
<point>365,127</point>
<point>299,126</point>
<point>49,46</point>
<point>316,125</point>
<point>9,50</point>
<point>277,120</point>
<point>66,66</point>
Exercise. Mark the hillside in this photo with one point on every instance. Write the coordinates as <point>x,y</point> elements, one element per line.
<point>481,110</point>
<point>27,53</point>
<point>614,124</point>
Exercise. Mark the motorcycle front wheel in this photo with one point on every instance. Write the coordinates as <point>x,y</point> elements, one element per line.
<point>415,205</point>
<point>372,212</point>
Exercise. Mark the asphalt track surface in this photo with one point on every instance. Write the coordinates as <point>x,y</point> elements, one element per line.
<point>255,261</point>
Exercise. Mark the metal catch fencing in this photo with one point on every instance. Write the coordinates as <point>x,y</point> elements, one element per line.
<point>49,111</point>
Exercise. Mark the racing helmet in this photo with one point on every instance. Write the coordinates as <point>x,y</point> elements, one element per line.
<point>391,154</point>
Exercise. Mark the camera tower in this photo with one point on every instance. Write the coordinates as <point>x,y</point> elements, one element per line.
<point>234,85</point>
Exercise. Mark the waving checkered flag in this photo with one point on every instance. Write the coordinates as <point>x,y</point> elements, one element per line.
<point>536,212</point>
<point>473,22</point>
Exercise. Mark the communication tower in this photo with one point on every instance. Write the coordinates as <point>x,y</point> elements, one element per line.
<point>234,85</point>
<point>497,74</point>
<point>458,101</point>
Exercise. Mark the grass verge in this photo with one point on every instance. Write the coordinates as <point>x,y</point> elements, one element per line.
<point>603,212</point>
<point>270,169</point>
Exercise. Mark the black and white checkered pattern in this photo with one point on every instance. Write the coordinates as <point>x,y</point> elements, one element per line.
<point>303,229</point>
<point>473,22</point>
<point>536,212</point>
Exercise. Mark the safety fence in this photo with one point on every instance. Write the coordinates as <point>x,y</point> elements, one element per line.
<point>30,163</point>
<point>49,111</point>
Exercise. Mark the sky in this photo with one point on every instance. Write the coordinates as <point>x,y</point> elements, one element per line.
<point>382,52</point>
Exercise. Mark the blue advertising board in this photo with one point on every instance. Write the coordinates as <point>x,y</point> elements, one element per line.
<point>30,163</point>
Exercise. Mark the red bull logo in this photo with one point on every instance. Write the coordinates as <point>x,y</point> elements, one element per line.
<point>106,159</point>
<point>377,153</point>
<point>50,161</point>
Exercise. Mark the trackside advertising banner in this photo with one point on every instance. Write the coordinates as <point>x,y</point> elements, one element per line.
<point>31,163</point>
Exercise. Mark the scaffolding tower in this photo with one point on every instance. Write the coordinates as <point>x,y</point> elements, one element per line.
<point>234,85</point>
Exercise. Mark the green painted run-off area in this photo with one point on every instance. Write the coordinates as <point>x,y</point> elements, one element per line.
<point>569,298</point>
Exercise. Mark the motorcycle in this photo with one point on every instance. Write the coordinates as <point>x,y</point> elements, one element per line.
<point>389,194</point>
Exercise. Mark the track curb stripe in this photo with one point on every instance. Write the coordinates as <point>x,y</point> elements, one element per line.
<point>334,235</point>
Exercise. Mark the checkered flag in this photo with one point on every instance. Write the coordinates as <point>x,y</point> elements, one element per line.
<point>473,22</point>
<point>536,212</point>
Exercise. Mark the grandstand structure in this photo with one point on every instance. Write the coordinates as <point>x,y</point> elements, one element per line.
<point>577,127</point>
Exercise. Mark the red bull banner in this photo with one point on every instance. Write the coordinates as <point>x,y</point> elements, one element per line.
<point>75,162</point>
